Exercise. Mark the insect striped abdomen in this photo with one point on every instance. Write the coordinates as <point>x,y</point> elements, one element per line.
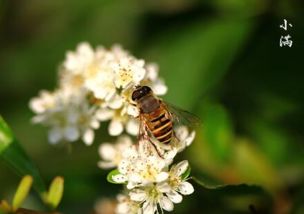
<point>161,127</point>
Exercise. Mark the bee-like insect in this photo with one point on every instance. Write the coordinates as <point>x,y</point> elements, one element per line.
<point>157,118</point>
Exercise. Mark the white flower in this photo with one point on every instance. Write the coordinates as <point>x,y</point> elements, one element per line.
<point>69,116</point>
<point>45,101</point>
<point>149,182</point>
<point>99,76</point>
<point>110,75</point>
<point>151,79</point>
<point>90,69</point>
<point>78,61</point>
<point>111,154</point>
<point>95,85</point>
<point>184,138</point>
<point>178,184</point>
<point>151,196</point>
<point>127,206</point>
<point>164,193</point>
<point>140,167</point>
<point>128,71</point>
<point>118,122</point>
<point>72,70</point>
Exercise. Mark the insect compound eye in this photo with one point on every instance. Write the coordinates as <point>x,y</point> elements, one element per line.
<point>140,92</point>
<point>146,89</point>
<point>135,95</point>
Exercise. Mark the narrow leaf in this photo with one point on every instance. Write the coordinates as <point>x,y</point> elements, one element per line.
<point>22,191</point>
<point>55,192</point>
<point>14,155</point>
<point>231,188</point>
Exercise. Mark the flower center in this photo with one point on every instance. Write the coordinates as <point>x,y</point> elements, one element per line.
<point>150,173</point>
<point>125,75</point>
<point>174,181</point>
<point>77,80</point>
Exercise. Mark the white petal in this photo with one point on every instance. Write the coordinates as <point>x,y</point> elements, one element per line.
<point>72,116</point>
<point>116,102</point>
<point>106,165</point>
<point>132,110</point>
<point>149,207</point>
<point>166,203</point>
<point>124,142</point>
<point>180,168</point>
<point>162,176</point>
<point>130,152</point>
<point>182,133</point>
<point>170,155</point>
<point>107,151</point>
<point>152,71</point>
<point>99,90</point>
<point>164,187</point>
<point>35,105</point>
<point>54,135</point>
<point>71,133</point>
<point>138,72</point>
<point>185,188</point>
<point>85,49</point>
<point>190,138</point>
<point>43,102</point>
<point>122,208</point>
<point>131,185</point>
<point>104,114</point>
<point>123,166</point>
<point>138,195</point>
<point>119,178</point>
<point>115,128</point>
<point>175,197</point>
<point>132,127</point>
<point>94,124</point>
<point>159,88</point>
<point>136,178</point>
<point>88,137</point>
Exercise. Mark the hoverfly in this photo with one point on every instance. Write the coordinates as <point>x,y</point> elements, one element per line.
<point>157,118</point>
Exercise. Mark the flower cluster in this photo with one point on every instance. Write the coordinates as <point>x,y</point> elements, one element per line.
<point>94,86</point>
<point>152,182</point>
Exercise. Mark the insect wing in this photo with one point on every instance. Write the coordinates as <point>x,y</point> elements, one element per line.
<point>143,132</point>
<point>182,117</point>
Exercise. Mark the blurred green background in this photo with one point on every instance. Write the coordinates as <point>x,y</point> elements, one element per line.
<point>221,60</point>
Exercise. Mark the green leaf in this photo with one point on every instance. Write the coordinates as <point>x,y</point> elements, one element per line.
<point>55,193</point>
<point>14,155</point>
<point>22,191</point>
<point>6,136</point>
<point>193,58</point>
<point>110,176</point>
<point>231,189</point>
<point>217,131</point>
<point>254,167</point>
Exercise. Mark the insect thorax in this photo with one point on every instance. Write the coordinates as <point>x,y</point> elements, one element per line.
<point>148,104</point>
